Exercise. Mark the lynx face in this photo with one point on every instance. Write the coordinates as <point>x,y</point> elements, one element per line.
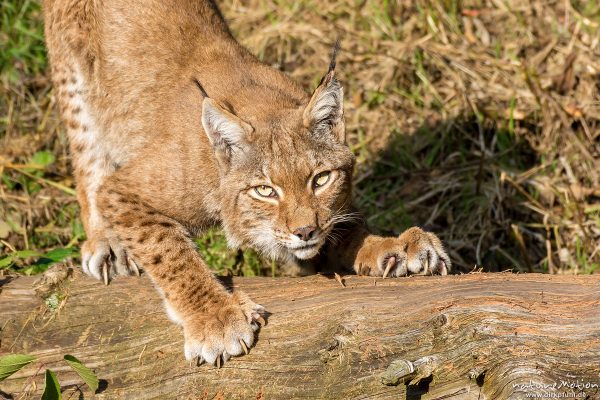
<point>287,192</point>
<point>286,179</point>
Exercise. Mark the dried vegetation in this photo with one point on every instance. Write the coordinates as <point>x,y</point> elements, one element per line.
<point>477,119</point>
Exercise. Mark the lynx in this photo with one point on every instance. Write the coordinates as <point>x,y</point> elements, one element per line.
<point>175,127</point>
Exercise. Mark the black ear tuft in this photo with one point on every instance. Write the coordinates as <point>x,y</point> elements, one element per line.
<point>334,51</point>
<point>324,114</point>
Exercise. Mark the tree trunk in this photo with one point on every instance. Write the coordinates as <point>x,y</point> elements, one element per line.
<point>476,336</point>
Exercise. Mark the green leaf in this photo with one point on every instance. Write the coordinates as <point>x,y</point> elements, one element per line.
<point>6,261</point>
<point>26,254</point>
<point>12,363</point>
<point>59,254</point>
<point>52,388</point>
<point>35,269</point>
<point>49,259</point>
<point>84,372</point>
<point>42,158</point>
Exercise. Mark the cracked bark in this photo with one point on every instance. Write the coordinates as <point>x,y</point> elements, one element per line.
<point>477,336</point>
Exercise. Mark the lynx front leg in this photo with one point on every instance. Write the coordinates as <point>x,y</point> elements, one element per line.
<point>413,252</point>
<point>216,324</point>
<point>102,255</point>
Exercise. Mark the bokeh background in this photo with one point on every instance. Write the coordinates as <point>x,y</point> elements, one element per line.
<point>479,120</point>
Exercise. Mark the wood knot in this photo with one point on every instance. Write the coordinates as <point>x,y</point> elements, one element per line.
<point>439,321</point>
<point>404,371</point>
<point>398,371</point>
<point>478,375</point>
<point>342,336</point>
<point>52,279</point>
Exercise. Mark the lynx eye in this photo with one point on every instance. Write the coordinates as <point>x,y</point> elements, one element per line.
<point>265,191</point>
<point>321,178</point>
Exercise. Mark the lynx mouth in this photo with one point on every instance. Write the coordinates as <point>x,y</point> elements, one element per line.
<point>305,251</point>
<point>303,246</point>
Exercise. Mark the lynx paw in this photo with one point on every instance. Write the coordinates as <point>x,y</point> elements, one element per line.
<point>229,331</point>
<point>103,259</point>
<point>413,252</point>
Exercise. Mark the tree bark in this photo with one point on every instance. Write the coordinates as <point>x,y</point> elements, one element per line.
<point>476,336</point>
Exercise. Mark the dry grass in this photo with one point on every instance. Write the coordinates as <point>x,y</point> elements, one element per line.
<point>477,119</point>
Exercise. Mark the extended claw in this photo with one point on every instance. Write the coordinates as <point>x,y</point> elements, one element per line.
<point>390,263</point>
<point>136,269</point>
<point>105,273</point>
<point>218,362</point>
<point>260,320</point>
<point>244,347</point>
<point>427,266</point>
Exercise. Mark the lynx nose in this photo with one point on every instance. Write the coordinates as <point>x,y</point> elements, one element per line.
<point>305,233</point>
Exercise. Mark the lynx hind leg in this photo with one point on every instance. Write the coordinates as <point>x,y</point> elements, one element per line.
<point>102,256</point>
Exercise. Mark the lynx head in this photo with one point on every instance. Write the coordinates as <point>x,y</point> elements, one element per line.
<point>286,175</point>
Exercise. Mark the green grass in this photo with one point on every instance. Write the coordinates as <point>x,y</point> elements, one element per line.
<point>453,129</point>
<point>224,261</point>
<point>21,38</point>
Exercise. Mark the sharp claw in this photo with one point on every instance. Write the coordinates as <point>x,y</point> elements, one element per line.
<point>219,362</point>
<point>442,267</point>
<point>261,320</point>
<point>105,273</point>
<point>199,361</point>
<point>390,263</point>
<point>427,266</point>
<point>244,347</point>
<point>134,266</point>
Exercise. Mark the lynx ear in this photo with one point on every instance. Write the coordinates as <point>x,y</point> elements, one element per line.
<point>226,132</point>
<point>324,113</point>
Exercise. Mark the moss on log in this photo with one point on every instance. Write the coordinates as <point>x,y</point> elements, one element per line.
<point>477,336</point>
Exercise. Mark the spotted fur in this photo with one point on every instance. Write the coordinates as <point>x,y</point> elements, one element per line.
<point>175,127</point>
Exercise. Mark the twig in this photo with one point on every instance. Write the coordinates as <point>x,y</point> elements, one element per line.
<point>340,279</point>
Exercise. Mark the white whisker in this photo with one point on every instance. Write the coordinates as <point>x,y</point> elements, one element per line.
<point>339,218</point>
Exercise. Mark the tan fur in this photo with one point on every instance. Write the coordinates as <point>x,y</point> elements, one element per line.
<point>156,161</point>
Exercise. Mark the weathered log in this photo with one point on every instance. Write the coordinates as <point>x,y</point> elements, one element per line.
<point>476,336</point>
